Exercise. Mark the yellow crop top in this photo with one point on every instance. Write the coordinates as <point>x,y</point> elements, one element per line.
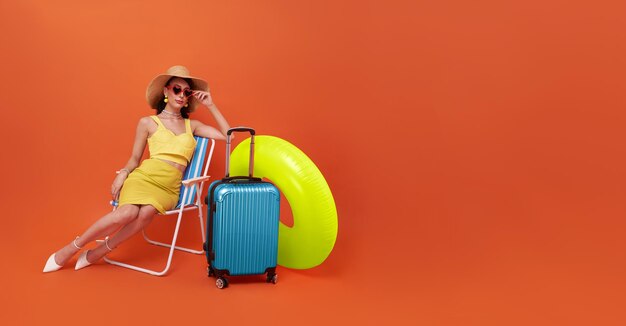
<point>165,145</point>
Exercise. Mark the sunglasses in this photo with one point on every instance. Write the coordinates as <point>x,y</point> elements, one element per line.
<point>177,89</point>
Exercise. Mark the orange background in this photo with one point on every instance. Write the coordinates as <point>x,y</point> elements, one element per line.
<point>474,149</point>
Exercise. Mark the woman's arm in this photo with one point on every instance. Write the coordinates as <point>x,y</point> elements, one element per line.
<point>141,136</point>
<point>202,130</point>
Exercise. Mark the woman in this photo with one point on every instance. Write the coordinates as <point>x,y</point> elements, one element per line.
<point>143,190</point>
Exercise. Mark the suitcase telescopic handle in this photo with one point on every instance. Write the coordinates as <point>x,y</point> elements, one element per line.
<point>240,129</point>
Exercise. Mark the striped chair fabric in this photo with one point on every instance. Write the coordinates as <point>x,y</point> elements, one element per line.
<point>194,170</point>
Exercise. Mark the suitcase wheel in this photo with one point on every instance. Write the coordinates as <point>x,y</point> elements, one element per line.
<point>221,283</point>
<point>272,278</point>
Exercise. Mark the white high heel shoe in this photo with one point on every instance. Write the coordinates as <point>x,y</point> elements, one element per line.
<point>82,259</point>
<point>51,264</point>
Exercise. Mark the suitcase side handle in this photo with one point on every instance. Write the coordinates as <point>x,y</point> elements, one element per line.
<point>228,133</point>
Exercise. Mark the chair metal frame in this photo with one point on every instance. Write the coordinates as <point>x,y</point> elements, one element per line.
<point>188,187</point>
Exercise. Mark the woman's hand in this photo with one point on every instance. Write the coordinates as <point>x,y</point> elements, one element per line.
<point>204,131</point>
<point>118,183</point>
<point>203,97</point>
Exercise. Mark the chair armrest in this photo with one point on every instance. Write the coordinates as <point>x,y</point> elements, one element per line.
<point>195,180</point>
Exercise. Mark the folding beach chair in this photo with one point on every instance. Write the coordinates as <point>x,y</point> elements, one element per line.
<point>190,200</point>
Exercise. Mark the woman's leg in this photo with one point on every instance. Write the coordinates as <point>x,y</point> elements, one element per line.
<point>103,226</point>
<point>144,217</point>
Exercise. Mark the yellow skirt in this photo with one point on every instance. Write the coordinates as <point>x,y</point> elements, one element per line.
<point>154,183</point>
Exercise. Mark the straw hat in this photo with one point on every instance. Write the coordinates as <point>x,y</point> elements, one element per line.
<point>154,93</point>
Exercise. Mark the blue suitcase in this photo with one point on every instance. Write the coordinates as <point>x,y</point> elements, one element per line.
<point>242,226</point>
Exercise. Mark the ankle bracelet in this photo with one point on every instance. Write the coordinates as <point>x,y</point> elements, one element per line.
<point>75,245</point>
<point>106,243</point>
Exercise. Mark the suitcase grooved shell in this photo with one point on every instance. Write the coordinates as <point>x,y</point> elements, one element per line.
<point>245,227</point>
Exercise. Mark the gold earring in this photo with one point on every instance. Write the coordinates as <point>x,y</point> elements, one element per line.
<point>186,104</point>
<point>165,99</point>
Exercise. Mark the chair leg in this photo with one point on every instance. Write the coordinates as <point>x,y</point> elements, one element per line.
<point>201,218</point>
<point>136,268</point>
<point>149,271</point>
<point>169,245</point>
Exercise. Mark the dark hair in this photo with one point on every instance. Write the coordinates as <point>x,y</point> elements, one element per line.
<point>184,112</point>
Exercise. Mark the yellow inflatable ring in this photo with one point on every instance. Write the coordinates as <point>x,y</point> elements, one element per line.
<point>312,237</point>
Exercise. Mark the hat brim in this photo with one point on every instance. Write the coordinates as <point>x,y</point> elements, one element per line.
<point>154,92</point>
